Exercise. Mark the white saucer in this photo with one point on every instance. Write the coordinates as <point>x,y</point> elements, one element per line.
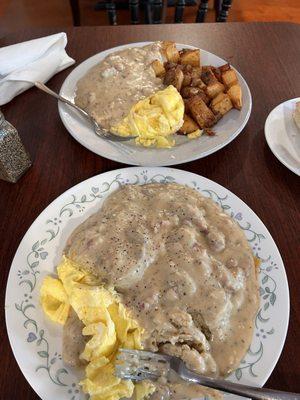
<point>283,136</point>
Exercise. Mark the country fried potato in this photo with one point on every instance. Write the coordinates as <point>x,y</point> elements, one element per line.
<point>189,91</point>
<point>217,73</point>
<point>189,125</point>
<point>170,51</point>
<point>190,57</point>
<point>158,67</point>
<point>208,77</point>
<point>221,104</point>
<point>174,77</point>
<point>169,65</point>
<point>187,79</point>
<point>224,68</point>
<point>229,77</point>
<point>214,89</point>
<point>204,117</point>
<point>235,94</point>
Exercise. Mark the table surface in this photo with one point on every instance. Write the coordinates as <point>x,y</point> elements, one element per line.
<point>267,55</point>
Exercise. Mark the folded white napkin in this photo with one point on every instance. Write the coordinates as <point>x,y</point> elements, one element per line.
<point>24,63</point>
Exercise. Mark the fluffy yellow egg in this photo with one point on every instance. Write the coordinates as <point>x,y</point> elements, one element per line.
<point>154,119</point>
<point>106,322</point>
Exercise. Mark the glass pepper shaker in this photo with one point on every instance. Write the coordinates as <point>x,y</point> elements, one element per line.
<point>14,159</point>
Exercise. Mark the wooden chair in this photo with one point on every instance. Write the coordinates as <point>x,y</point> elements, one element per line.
<point>153,11</point>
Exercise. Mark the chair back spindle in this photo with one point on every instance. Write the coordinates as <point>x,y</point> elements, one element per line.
<point>157,11</point>
<point>153,10</point>
<point>223,14</point>
<point>202,10</point>
<point>75,12</point>
<point>111,12</point>
<point>134,11</point>
<point>179,11</point>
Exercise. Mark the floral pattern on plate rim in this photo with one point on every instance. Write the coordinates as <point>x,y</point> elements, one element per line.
<point>51,361</point>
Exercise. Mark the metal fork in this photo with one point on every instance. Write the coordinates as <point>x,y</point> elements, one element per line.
<point>139,365</point>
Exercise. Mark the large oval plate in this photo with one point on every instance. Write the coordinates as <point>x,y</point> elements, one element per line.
<point>37,343</point>
<point>186,150</point>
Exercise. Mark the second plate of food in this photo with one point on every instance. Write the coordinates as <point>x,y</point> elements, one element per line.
<point>223,104</point>
<point>195,271</point>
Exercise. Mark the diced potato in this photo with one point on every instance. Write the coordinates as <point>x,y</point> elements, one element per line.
<point>221,104</point>
<point>187,79</point>
<point>169,65</point>
<point>200,112</point>
<point>195,134</point>
<point>189,91</point>
<point>158,67</point>
<point>235,94</point>
<point>229,78</point>
<point>187,67</point>
<point>217,73</point>
<point>196,71</point>
<point>190,57</point>
<point>196,78</point>
<point>174,77</point>
<point>224,68</point>
<point>208,77</point>
<point>197,82</point>
<point>214,89</point>
<point>186,106</point>
<point>189,125</point>
<point>170,51</point>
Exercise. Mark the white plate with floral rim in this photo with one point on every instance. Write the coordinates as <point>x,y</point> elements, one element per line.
<point>186,150</point>
<point>37,343</point>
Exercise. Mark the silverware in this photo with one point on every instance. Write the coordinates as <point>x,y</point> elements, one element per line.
<point>101,132</point>
<point>139,365</point>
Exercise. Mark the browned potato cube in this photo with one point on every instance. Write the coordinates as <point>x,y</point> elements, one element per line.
<point>189,125</point>
<point>197,71</point>
<point>158,67</point>
<point>189,91</point>
<point>170,51</point>
<point>169,65</point>
<point>221,104</point>
<point>229,78</point>
<point>196,78</point>
<point>235,94</point>
<point>187,78</point>
<point>204,97</point>
<point>206,68</point>
<point>174,77</point>
<point>197,82</point>
<point>201,113</point>
<point>190,57</point>
<point>208,77</point>
<point>224,68</point>
<point>187,68</point>
<point>216,72</point>
<point>214,89</point>
<point>186,106</point>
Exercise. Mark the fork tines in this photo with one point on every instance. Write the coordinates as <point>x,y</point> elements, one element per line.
<point>139,365</point>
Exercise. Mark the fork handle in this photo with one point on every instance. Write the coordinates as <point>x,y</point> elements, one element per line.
<point>242,390</point>
<point>47,90</point>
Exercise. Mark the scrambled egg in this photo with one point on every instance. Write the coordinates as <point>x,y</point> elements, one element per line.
<point>105,320</point>
<point>154,119</point>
